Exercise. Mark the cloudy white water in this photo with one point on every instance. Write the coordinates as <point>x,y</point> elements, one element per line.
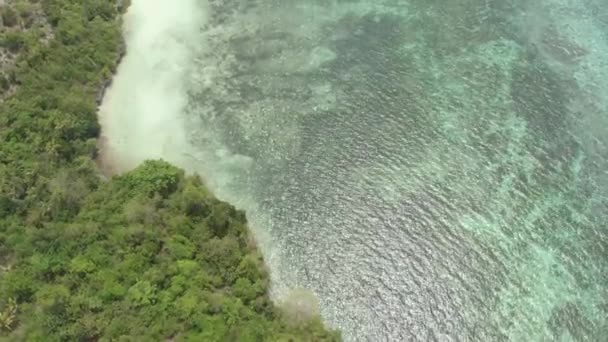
<point>431,170</point>
<point>142,112</point>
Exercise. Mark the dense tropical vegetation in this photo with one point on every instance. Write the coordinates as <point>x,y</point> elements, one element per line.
<point>145,256</point>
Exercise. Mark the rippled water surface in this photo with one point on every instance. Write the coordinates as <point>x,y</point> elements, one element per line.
<point>431,170</point>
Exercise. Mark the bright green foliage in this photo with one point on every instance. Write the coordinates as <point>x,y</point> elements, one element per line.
<point>50,122</point>
<point>109,273</point>
<point>147,256</point>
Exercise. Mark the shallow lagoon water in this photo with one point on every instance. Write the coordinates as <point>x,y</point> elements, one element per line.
<point>430,170</point>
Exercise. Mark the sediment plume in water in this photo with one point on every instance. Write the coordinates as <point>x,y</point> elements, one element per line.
<point>141,115</point>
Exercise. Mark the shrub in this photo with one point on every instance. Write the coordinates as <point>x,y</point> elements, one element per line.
<point>9,16</point>
<point>13,41</point>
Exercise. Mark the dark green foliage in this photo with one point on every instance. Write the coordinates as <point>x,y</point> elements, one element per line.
<point>5,82</point>
<point>146,256</point>
<point>99,8</point>
<point>12,41</point>
<point>9,16</point>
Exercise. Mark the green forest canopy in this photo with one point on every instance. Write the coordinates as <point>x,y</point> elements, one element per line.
<point>148,255</point>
